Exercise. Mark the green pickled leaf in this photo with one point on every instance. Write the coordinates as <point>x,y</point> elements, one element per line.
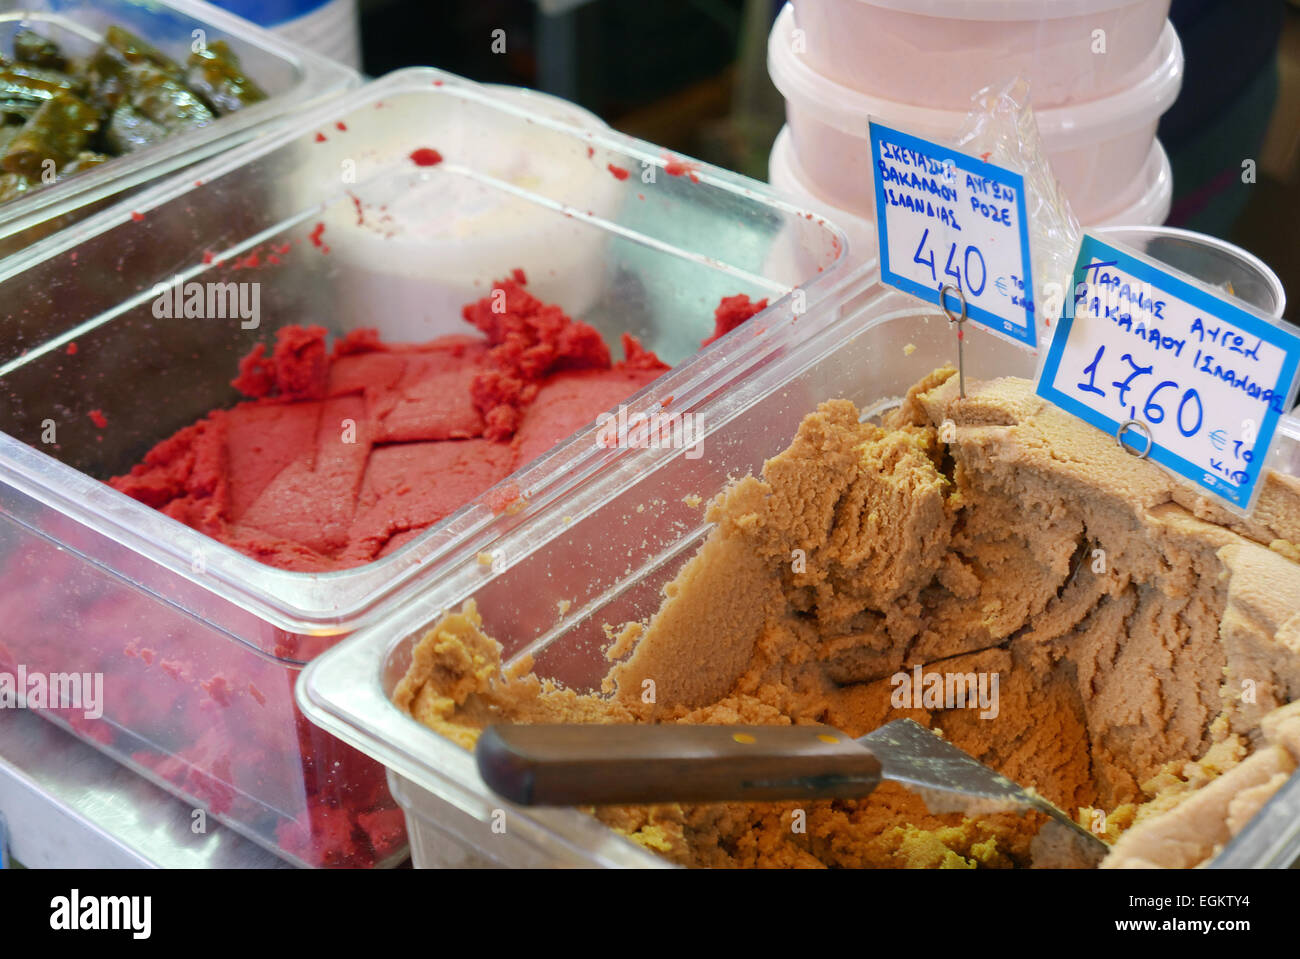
<point>214,74</point>
<point>58,131</point>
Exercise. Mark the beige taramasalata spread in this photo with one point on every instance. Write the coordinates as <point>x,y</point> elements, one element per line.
<point>1146,642</point>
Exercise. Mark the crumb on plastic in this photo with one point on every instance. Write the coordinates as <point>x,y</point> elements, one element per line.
<point>909,349</point>
<point>693,500</point>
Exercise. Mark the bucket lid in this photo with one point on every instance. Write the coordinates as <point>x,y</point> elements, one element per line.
<point>1062,128</point>
<point>1001,10</point>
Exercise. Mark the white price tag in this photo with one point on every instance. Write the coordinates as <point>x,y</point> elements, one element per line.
<point>1194,380</point>
<point>948,219</point>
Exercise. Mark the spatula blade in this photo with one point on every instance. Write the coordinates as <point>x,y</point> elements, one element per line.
<point>951,780</point>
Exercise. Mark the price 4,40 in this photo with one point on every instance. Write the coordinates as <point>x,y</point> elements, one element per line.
<point>971,262</point>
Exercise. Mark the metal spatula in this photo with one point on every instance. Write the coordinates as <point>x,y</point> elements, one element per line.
<point>592,764</point>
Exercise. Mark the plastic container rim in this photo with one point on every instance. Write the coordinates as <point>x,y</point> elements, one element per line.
<point>783,164</point>
<point>1217,244</point>
<point>1002,10</point>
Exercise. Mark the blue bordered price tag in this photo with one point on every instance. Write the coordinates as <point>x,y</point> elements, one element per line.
<point>945,218</point>
<point>1196,381</point>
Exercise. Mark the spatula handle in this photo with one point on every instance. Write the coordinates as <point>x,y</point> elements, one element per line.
<point>593,764</point>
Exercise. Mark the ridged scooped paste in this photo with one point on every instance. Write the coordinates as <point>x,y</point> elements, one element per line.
<point>1146,641</point>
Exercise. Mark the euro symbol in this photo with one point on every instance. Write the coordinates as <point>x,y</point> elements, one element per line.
<point>1218,438</point>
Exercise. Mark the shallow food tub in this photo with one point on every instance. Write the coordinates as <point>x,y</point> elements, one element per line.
<point>293,77</point>
<point>604,556</point>
<point>199,644</point>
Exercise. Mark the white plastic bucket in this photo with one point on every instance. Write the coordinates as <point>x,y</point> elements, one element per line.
<point>1097,149</point>
<point>784,174</point>
<point>932,53</point>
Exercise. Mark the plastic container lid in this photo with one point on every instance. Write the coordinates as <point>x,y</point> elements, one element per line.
<point>1063,128</point>
<point>1001,9</point>
<point>1147,205</point>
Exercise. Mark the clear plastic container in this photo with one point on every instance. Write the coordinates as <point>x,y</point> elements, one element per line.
<point>596,552</point>
<point>293,77</point>
<point>1216,262</point>
<point>1096,148</point>
<point>1145,204</point>
<point>202,643</point>
<point>934,52</point>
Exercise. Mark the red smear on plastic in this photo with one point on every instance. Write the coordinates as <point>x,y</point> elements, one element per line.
<point>675,167</point>
<point>98,418</point>
<point>426,156</point>
<point>72,349</point>
<point>665,401</point>
<point>208,256</point>
<point>218,689</point>
<point>341,126</point>
<point>437,83</point>
<point>316,232</point>
<point>499,500</point>
<point>731,312</point>
<point>361,211</point>
<point>620,173</point>
<point>640,196</point>
<point>256,694</point>
<point>320,138</point>
<point>137,216</point>
<point>591,152</point>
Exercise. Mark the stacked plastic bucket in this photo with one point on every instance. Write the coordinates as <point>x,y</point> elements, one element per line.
<point>1100,74</point>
